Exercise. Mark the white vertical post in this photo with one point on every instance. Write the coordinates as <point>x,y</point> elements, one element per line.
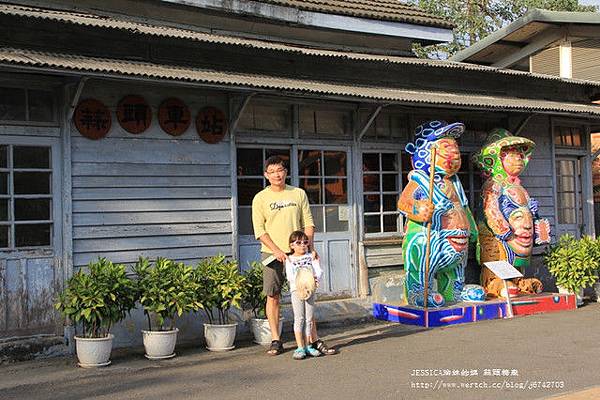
<point>566,61</point>
<point>509,309</point>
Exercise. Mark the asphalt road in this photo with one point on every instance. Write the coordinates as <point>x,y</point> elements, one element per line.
<point>524,358</point>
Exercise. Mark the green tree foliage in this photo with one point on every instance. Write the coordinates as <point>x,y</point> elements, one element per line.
<point>475,19</point>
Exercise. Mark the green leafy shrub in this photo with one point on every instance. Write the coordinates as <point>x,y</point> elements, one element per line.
<point>98,297</point>
<point>255,299</point>
<point>166,289</point>
<point>220,286</point>
<point>574,263</point>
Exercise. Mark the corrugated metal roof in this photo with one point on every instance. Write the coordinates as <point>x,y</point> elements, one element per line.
<point>496,39</point>
<point>113,22</point>
<point>389,10</point>
<point>65,63</point>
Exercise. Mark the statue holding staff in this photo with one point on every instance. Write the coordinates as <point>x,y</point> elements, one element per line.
<point>435,198</point>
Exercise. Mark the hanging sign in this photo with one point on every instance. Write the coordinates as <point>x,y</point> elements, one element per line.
<point>211,125</point>
<point>174,116</point>
<point>134,114</point>
<point>92,119</point>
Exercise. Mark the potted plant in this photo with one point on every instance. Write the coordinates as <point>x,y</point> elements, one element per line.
<point>96,298</point>
<point>573,264</point>
<point>220,287</point>
<point>255,301</point>
<point>166,291</point>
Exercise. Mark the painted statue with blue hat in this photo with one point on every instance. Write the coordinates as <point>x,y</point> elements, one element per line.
<point>446,209</point>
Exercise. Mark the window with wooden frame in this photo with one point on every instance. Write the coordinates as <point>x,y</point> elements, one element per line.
<point>27,105</point>
<point>569,136</point>
<point>381,189</point>
<point>324,121</point>
<point>387,125</point>
<point>26,218</point>
<point>568,191</point>
<point>323,174</point>
<point>251,180</point>
<point>266,118</point>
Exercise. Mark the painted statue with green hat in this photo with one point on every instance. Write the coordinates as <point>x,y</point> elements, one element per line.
<point>509,224</point>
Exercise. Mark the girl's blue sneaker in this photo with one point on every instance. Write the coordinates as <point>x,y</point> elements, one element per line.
<point>299,354</point>
<point>312,351</point>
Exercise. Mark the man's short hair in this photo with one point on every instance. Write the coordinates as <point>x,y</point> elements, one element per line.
<point>274,160</point>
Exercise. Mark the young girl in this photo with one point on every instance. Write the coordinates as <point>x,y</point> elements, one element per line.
<point>300,266</point>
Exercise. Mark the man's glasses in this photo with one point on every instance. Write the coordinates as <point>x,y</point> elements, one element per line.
<point>276,171</point>
<point>299,242</point>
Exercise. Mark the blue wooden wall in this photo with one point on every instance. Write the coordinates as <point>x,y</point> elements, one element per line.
<point>150,194</point>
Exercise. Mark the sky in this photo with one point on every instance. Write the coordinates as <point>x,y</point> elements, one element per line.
<point>590,2</point>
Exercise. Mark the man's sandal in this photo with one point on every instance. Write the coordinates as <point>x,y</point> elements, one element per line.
<point>322,347</point>
<point>276,348</point>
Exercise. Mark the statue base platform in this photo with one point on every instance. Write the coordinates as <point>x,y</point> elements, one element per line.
<point>461,313</point>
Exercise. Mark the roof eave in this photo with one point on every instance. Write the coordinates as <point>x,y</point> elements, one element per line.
<point>432,32</point>
<point>70,65</point>
<point>496,36</point>
<point>535,15</point>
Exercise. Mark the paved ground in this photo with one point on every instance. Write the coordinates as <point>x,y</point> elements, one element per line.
<point>548,355</point>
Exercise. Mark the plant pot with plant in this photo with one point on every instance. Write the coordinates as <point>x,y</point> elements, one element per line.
<point>255,301</point>
<point>574,264</point>
<point>95,298</point>
<point>166,291</point>
<point>220,287</point>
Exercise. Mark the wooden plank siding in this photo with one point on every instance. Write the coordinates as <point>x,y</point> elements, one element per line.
<point>585,57</point>
<point>150,194</point>
<point>537,178</point>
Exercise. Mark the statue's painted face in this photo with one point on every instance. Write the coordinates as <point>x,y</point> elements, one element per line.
<point>521,222</point>
<point>456,220</point>
<point>513,160</point>
<point>448,156</point>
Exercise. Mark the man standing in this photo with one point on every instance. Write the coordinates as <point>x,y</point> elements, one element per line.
<point>277,211</point>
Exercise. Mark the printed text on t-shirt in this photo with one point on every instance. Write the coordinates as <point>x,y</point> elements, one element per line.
<point>278,205</point>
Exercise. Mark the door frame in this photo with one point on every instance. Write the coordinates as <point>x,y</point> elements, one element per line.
<point>55,251</point>
<point>582,154</point>
<point>311,144</point>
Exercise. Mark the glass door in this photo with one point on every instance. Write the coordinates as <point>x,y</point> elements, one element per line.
<point>324,175</point>
<point>569,196</point>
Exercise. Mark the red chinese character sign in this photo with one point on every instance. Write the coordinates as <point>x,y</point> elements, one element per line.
<point>92,119</point>
<point>211,124</point>
<point>174,116</point>
<point>134,114</point>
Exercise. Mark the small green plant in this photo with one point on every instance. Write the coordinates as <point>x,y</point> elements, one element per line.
<point>97,297</point>
<point>574,263</point>
<point>255,299</point>
<point>166,289</point>
<point>220,286</point>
